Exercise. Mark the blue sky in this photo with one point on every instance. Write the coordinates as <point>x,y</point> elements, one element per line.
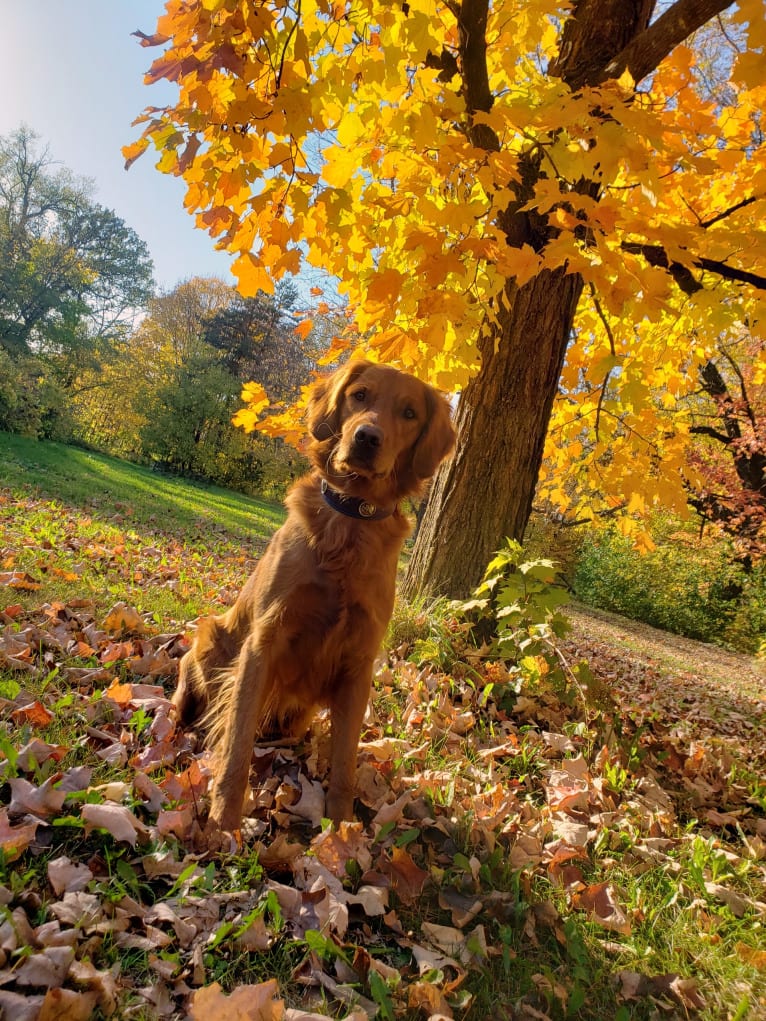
<point>72,71</point>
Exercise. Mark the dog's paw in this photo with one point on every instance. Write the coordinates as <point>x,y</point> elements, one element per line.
<point>216,840</point>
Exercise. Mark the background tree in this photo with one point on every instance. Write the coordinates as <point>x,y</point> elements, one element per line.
<point>731,457</point>
<point>169,393</point>
<point>257,340</point>
<point>73,277</point>
<point>470,173</point>
<point>113,400</point>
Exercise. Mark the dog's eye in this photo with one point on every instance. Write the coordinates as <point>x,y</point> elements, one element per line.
<point>410,413</point>
<point>359,395</point>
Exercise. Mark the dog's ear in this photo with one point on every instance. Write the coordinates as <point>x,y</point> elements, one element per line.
<point>326,398</point>
<point>437,438</point>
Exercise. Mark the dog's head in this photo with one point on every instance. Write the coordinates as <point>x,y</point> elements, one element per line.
<point>376,431</point>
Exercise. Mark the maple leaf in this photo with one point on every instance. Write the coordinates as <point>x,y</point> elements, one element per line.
<point>117,820</point>
<point>35,713</point>
<point>14,840</point>
<point>245,1003</point>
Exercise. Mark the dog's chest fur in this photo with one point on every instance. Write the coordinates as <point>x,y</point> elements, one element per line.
<point>323,578</point>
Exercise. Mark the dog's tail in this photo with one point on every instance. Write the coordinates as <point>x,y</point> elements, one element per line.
<point>202,672</point>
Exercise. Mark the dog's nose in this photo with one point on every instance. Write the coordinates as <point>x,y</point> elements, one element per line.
<point>368,437</point>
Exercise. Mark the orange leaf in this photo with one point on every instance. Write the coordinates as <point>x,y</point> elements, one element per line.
<point>119,692</point>
<point>304,329</point>
<point>246,1003</point>
<point>19,580</point>
<point>35,714</point>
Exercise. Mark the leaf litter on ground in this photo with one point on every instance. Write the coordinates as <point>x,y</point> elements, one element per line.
<point>503,836</point>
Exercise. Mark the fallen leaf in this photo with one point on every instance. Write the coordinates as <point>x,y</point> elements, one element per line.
<point>46,969</point>
<point>598,902</point>
<point>35,714</point>
<point>14,840</point>
<point>407,878</point>
<point>44,801</point>
<point>67,1005</point>
<point>19,580</point>
<point>123,618</point>
<point>116,819</point>
<point>65,876</point>
<point>246,1003</point>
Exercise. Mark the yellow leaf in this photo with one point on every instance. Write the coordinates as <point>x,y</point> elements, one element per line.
<point>252,276</point>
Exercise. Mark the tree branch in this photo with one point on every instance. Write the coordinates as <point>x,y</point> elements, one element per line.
<point>656,255</point>
<point>472,26</point>
<point>644,53</point>
<point>708,430</point>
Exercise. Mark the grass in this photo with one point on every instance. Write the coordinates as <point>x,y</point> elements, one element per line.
<point>477,768</point>
<point>113,488</point>
<point>107,530</point>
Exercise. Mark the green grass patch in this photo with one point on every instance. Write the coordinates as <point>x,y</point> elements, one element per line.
<point>107,487</point>
<point>79,525</point>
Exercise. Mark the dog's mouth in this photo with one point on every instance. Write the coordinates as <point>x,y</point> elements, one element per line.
<point>354,468</point>
<point>351,464</point>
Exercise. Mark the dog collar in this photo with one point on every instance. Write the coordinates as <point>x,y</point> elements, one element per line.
<point>353,506</point>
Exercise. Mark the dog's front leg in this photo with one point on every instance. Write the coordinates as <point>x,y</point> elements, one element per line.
<point>244,707</point>
<point>347,709</point>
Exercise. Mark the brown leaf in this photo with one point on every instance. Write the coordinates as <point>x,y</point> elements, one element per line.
<point>427,997</point>
<point>36,752</point>
<point>84,910</point>
<point>176,821</point>
<point>67,1005</point>
<point>46,969</point>
<point>154,796</point>
<point>734,902</point>
<point>407,878</point>
<point>64,875</point>
<point>101,983</point>
<point>14,840</point>
<point>35,714</point>
<point>44,801</point>
<point>20,1008</point>
<point>256,936</point>
<point>757,958</point>
<point>116,819</point>
<point>336,849</point>
<point>598,902</point>
<point>464,909</point>
<point>246,1003</point>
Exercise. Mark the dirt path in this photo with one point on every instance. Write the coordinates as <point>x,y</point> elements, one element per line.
<point>663,649</point>
<point>706,691</point>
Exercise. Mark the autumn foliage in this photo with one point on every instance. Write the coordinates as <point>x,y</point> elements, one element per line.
<point>439,158</point>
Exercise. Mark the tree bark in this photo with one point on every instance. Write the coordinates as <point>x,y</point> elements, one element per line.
<point>485,491</point>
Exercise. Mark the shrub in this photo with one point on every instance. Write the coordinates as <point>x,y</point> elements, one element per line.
<point>689,587</point>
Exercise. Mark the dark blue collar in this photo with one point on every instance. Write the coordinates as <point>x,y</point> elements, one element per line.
<point>354,506</point>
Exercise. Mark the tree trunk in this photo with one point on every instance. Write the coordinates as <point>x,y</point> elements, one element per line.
<point>485,491</point>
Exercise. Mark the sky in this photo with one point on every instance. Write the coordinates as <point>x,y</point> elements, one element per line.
<point>72,72</point>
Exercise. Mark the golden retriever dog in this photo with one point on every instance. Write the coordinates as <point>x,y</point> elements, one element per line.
<point>308,624</point>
